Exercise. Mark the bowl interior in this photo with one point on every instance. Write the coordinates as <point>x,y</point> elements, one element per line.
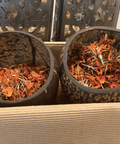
<point>92,35</point>
<point>16,48</point>
<point>88,36</point>
<point>20,47</point>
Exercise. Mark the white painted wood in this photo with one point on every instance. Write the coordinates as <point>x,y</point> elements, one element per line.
<point>118,22</point>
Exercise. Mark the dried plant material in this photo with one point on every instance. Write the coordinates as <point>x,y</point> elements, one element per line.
<point>75,28</point>
<point>21,4</point>
<point>7,92</point>
<point>91,7</point>
<point>102,79</point>
<point>96,65</point>
<point>80,14</point>
<point>113,3</point>
<point>20,81</point>
<point>88,23</point>
<point>32,29</point>
<point>100,14</point>
<point>105,2</point>
<point>67,30</point>
<point>78,1</point>
<point>113,85</point>
<point>34,74</point>
<point>26,72</point>
<point>44,1</point>
<point>10,12</point>
<point>20,27</point>
<point>42,31</point>
<point>110,18</point>
<point>9,28</point>
<point>68,15</point>
<point>70,1</point>
<point>29,85</point>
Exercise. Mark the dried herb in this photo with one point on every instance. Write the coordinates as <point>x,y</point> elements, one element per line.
<point>20,81</point>
<point>96,65</point>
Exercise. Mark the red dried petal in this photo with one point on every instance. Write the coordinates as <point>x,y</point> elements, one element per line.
<point>117,76</point>
<point>112,85</point>
<point>26,72</point>
<point>39,76</point>
<point>33,79</point>
<point>102,79</point>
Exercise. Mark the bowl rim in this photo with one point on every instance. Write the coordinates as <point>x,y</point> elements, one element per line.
<point>52,65</point>
<point>65,51</point>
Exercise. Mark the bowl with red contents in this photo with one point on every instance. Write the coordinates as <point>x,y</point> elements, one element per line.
<point>28,71</point>
<point>90,66</point>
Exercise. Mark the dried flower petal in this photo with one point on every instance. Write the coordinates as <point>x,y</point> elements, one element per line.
<point>112,85</point>
<point>29,85</point>
<point>117,76</point>
<point>96,65</point>
<point>32,80</point>
<point>109,56</point>
<point>34,74</point>
<point>39,76</point>
<point>7,91</point>
<point>102,79</point>
<point>26,72</point>
<point>15,81</point>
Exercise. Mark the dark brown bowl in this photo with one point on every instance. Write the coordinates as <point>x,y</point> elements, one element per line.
<point>78,93</point>
<point>20,47</point>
